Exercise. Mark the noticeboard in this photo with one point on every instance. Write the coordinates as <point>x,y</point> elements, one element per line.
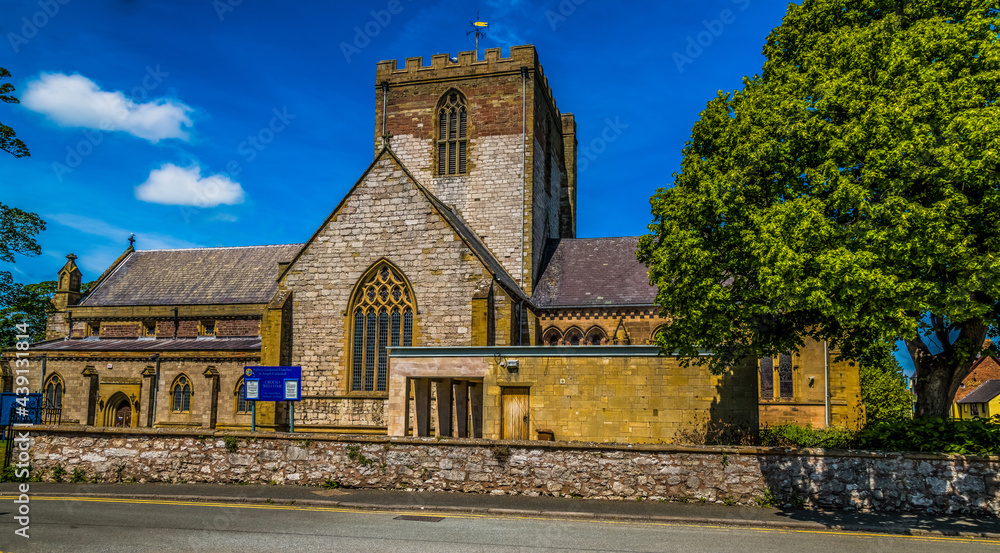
<point>272,383</point>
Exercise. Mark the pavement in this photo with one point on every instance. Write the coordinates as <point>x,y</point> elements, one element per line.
<point>555,507</point>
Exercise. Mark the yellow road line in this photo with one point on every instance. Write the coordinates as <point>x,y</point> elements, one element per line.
<point>309,508</point>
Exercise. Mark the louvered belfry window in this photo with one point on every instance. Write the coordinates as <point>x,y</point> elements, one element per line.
<point>452,143</point>
<point>382,314</point>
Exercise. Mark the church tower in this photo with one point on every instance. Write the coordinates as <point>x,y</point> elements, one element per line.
<point>486,138</point>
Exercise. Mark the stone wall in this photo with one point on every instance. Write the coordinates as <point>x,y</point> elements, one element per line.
<point>812,478</point>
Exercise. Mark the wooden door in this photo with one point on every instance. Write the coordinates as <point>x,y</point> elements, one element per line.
<point>123,414</point>
<point>515,414</point>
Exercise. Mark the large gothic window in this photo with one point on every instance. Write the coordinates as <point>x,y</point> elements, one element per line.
<point>54,392</point>
<point>451,134</point>
<point>180,392</point>
<point>382,316</point>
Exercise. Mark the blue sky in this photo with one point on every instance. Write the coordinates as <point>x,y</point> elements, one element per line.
<point>132,109</point>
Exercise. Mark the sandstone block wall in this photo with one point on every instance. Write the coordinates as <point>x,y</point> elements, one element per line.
<point>812,478</point>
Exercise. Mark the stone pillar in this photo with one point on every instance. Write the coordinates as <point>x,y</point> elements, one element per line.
<point>422,406</point>
<point>444,406</point>
<point>90,373</point>
<point>476,399</point>
<point>212,375</point>
<point>147,391</point>
<point>462,408</point>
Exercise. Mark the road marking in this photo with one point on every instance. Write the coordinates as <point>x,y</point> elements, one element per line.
<point>423,512</point>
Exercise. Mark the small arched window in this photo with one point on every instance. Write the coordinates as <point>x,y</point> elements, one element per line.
<point>54,389</point>
<point>551,336</point>
<point>596,336</point>
<point>452,141</point>
<point>382,315</point>
<point>181,393</point>
<point>573,337</point>
<point>243,406</point>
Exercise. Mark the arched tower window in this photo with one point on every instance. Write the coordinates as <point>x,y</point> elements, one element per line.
<point>573,337</point>
<point>382,312</point>
<point>181,394</point>
<point>54,389</point>
<point>452,142</point>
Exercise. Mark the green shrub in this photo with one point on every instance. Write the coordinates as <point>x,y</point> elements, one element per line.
<point>232,443</point>
<point>935,435</point>
<point>78,476</point>
<point>793,435</point>
<point>884,392</point>
<point>58,472</point>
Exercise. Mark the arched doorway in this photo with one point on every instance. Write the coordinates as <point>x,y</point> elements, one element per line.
<point>119,411</point>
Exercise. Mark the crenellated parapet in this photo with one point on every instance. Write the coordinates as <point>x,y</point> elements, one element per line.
<point>465,66</point>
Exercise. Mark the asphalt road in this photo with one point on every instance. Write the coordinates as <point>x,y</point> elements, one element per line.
<point>139,526</point>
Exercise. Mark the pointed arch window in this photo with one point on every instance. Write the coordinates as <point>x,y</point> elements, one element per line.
<point>181,395</point>
<point>382,315</point>
<point>242,405</point>
<point>452,140</point>
<point>54,389</point>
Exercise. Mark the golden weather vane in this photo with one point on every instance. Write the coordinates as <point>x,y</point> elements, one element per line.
<point>479,29</point>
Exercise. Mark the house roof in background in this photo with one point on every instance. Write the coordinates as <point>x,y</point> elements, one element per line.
<point>983,393</point>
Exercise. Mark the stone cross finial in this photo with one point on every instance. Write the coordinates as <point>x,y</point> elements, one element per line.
<point>71,256</point>
<point>131,240</point>
<point>386,138</point>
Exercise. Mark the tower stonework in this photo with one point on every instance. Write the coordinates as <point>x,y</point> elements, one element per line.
<point>518,188</point>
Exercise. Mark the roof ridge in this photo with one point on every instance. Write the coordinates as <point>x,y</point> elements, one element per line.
<point>216,248</point>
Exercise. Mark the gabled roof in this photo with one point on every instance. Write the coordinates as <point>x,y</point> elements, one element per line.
<point>983,393</point>
<point>589,272</point>
<point>985,368</point>
<point>458,225</point>
<point>192,276</point>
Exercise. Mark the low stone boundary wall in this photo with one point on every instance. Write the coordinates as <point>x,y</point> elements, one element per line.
<point>741,475</point>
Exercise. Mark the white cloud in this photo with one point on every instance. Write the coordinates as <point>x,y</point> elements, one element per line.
<point>173,185</point>
<point>76,101</point>
<point>96,227</point>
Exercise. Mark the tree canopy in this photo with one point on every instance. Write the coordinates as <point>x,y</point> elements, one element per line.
<point>9,142</point>
<point>849,192</point>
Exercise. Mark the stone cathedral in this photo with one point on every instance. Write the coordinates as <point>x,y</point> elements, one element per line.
<point>445,294</point>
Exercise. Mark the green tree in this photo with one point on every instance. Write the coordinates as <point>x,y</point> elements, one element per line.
<point>31,304</point>
<point>884,391</point>
<point>848,192</point>
<point>9,142</point>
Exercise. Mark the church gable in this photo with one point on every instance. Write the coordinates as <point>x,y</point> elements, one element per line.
<point>386,219</point>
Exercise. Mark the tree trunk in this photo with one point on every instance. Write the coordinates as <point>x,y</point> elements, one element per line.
<point>939,375</point>
<point>934,389</point>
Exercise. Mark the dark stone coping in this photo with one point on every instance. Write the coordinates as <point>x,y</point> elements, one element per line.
<point>469,442</point>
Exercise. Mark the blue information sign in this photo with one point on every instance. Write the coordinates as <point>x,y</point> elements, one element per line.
<point>272,383</point>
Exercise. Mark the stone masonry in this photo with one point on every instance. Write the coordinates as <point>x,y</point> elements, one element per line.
<point>814,478</point>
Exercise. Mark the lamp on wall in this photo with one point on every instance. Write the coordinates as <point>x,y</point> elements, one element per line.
<point>510,364</point>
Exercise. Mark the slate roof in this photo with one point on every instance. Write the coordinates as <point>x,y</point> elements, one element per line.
<point>126,344</point>
<point>588,272</point>
<point>193,276</point>
<point>983,393</point>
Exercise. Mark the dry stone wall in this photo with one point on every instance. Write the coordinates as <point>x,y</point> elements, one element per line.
<point>813,478</point>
